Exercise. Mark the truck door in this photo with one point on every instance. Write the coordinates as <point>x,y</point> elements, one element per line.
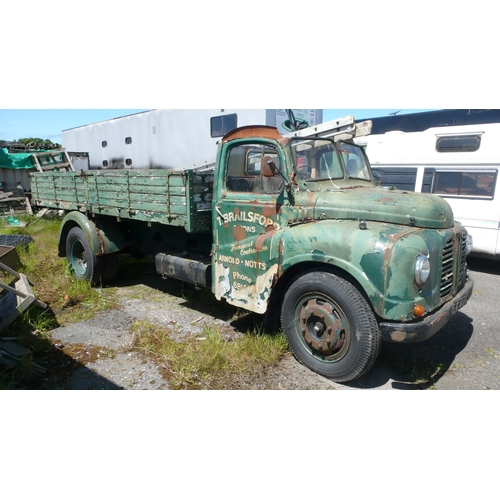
<point>247,224</point>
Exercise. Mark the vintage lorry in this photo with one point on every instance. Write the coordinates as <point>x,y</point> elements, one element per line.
<point>290,227</point>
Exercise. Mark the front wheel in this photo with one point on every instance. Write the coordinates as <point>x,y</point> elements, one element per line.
<point>330,327</point>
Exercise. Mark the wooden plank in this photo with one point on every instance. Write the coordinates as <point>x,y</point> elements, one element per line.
<point>159,190</point>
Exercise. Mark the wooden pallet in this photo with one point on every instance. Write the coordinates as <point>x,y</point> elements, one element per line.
<point>16,297</point>
<point>50,160</point>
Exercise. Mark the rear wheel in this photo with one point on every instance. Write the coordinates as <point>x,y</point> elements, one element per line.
<point>83,262</point>
<point>330,327</point>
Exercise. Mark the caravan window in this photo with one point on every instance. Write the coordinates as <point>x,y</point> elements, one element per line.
<point>403,178</point>
<point>458,143</point>
<point>221,125</point>
<point>466,183</point>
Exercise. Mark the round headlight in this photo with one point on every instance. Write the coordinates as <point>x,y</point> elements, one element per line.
<point>422,269</point>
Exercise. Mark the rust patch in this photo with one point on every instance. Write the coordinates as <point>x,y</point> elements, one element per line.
<point>269,210</point>
<point>310,198</point>
<point>100,241</point>
<point>275,280</point>
<point>398,336</point>
<point>386,200</point>
<point>269,232</point>
<point>253,131</point>
<point>239,233</point>
<point>396,236</point>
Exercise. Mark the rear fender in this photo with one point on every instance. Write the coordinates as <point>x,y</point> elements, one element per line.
<point>103,236</point>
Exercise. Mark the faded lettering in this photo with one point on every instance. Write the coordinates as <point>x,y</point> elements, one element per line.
<point>261,266</point>
<point>244,216</point>
<point>242,277</point>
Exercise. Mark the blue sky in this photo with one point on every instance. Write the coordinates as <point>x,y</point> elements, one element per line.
<point>359,114</point>
<point>48,123</point>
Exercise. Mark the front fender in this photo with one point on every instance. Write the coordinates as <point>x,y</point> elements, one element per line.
<point>103,236</point>
<point>337,243</point>
<point>366,253</point>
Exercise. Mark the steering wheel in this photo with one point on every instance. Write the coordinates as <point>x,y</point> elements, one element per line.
<point>304,172</point>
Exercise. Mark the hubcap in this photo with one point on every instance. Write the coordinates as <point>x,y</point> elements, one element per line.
<point>78,258</point>
<point>324,327</point>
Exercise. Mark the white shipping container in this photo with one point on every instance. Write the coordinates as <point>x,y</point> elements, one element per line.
<point>172,138</point>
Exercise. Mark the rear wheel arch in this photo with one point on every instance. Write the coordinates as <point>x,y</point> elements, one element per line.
<point>104,237</point>
<point>97,269</point>
<point>77,219</point>
<point>91,247</point>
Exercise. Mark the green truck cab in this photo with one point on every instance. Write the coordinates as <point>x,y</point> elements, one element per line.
<point>293,228</point>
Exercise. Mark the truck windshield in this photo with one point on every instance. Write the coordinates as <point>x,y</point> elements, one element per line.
<point>355,161</point>
<point>316,159</point>
<point>321,159</point>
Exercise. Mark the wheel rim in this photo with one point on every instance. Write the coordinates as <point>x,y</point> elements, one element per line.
<point>78,258</point>
<point>323,327</point>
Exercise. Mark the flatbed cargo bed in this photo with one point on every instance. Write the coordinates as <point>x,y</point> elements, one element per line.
<point>179,198</point>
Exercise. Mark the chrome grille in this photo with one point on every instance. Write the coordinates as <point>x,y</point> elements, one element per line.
<point>447,270</point>
<point>462,264</point>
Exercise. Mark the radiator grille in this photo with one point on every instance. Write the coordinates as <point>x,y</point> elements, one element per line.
<point>462,264</point>
<point>447,270</point>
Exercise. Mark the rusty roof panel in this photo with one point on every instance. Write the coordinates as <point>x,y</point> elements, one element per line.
<point>257,131</point>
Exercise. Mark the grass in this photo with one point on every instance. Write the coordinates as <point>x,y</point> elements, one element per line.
<point>68,300</point>
<point>211,361</point>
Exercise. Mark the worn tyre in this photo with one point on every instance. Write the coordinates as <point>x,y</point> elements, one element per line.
<point>83,262</point>
<point>330,327</point>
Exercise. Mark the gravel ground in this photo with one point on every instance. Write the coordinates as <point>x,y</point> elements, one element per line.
<point>96,354</point>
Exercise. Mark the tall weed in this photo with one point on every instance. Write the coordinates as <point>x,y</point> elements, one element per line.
<point>210,361</point>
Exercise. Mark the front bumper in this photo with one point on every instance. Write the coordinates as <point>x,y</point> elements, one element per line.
<point>427,327</point>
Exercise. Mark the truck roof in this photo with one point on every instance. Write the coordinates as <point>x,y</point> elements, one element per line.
<point>261,131</point>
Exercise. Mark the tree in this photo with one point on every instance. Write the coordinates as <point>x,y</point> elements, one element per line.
<point>37,143</point>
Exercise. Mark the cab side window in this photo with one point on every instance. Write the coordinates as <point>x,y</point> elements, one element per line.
<point>244,172</point>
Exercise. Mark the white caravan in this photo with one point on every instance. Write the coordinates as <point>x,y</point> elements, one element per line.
<point>172,138</point>
<point>458,163</point>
